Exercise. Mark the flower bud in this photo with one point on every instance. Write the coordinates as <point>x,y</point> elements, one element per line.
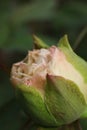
<point>52,83</point>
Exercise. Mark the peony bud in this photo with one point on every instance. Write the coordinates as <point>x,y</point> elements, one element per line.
<point>52,84</point>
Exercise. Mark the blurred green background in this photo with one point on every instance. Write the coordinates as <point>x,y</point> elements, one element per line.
<point>48,19</point>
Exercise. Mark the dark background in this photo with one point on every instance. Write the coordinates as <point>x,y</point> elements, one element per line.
<point>48,19</point>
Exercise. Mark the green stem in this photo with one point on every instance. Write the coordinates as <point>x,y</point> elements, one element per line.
<point>73,126</point>
<point>80,38</point>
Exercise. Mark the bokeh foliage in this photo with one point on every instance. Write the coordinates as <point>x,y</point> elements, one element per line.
<point>48,19</point>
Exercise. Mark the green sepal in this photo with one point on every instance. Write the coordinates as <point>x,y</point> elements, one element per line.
<point>64,43</point>
<point>78,63</point>
<point>33,104</point>
<point>64,99</point>
<point>38,43</point>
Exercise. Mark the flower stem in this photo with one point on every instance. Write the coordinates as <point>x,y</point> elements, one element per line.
<point>73,126</point>
<point>80,38</point>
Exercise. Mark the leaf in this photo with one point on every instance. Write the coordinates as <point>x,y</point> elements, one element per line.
<point>11,117</point>
<point>71,15</point>
<point>4,33</point>
<point>20,39</point>
<point>38,10</point>
<point>6,92</point>
<point>83,123</point>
